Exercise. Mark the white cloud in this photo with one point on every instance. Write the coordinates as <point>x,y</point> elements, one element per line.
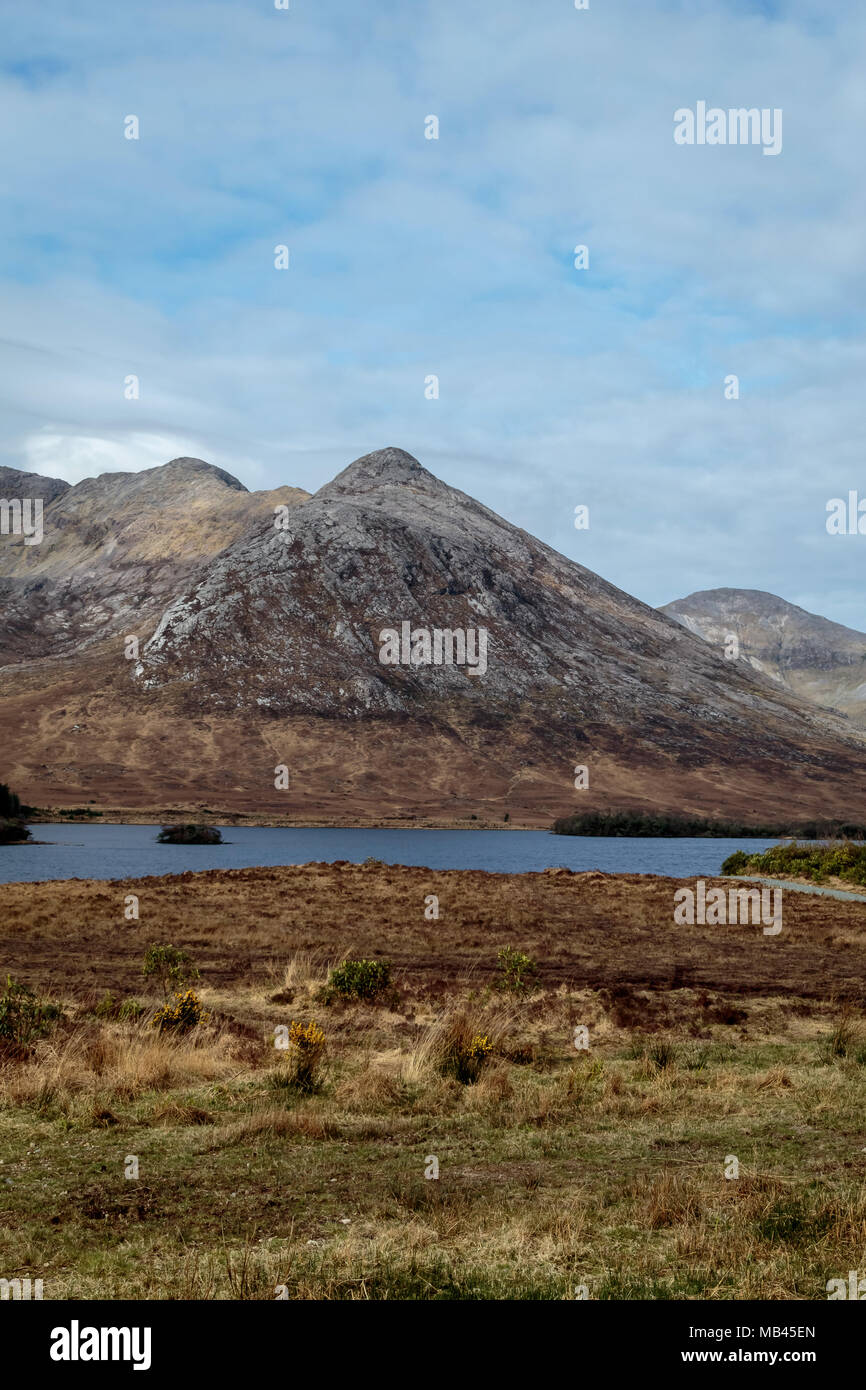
<point>411,256</point>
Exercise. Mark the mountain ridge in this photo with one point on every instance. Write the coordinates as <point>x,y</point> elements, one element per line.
<point>265,652</point>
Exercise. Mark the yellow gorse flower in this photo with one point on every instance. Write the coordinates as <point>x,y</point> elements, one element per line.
<point>309,1039</point>
<point>182,1015</point>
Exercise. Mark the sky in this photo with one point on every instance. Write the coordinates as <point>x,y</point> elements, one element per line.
<point>454,257</point>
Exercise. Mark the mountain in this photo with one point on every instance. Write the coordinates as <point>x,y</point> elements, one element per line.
<point>14,483</point>
<point>818,660</point>
<point>115,550</point>
<point>259,645</point>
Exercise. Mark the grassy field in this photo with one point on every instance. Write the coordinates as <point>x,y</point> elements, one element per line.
<point>560,1165</point>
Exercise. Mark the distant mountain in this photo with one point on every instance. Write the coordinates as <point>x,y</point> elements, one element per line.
<point>260,646</point>
<point>818,660</point>
<point>115,550</point>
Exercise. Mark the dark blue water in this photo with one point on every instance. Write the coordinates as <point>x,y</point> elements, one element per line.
<point>131,851</point>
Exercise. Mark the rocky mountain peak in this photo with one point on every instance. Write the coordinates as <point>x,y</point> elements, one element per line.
<point>384,468</point>
<point>181,467</point>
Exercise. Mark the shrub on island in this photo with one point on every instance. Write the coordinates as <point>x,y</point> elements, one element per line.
<point>190,835</point>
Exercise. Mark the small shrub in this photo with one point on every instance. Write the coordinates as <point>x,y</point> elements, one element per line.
<point>461,1052</point>
<point>519,971</point>
<point>735,863</point>
<point>23,1016</point>
<point>843,859</point>
<point>190,835</point>
<point>171,966</point>
<point>307,1048</point>
<point>108,1007</point>
<point>360,979</point>
<point>184,1014</point>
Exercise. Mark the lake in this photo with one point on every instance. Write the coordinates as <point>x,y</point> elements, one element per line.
<point>131,851</point>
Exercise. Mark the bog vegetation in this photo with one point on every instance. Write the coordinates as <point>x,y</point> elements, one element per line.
<point>845,861</point>
<point>580,1125</point>
<point>672,825</point>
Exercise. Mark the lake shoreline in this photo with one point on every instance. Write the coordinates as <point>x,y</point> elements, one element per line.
<point>101,850</point>
<point>262,822</point>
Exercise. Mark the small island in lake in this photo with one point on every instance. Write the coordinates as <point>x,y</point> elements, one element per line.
<point>190,835</point>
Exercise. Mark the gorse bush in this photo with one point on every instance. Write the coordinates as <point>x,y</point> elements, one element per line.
<point>461,1051</point>
<point>181,1016</point>
<point>360,979</point>
<point>190,835</point>
<point>171,966</point>
<point>519,971</point>
<point>736,862</point>
<point>844,859</point>
<point>23,1015</point>
<point>306,1050</point>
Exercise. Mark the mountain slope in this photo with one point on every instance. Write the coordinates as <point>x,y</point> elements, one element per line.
<point>115,549</point>
<point>817,659</point>
<point>268,654</point>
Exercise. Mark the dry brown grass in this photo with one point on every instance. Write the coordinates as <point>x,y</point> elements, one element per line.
<point>589,931</point>
<point>118,1062</point>
<point>558,1166</point>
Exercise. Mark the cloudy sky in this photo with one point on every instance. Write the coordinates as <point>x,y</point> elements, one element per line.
<point>412,257</point>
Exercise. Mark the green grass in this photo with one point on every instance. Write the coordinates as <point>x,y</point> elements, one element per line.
<point>537,1193</point>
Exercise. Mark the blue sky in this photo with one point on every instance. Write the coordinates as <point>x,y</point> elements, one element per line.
<point>412,257</point>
